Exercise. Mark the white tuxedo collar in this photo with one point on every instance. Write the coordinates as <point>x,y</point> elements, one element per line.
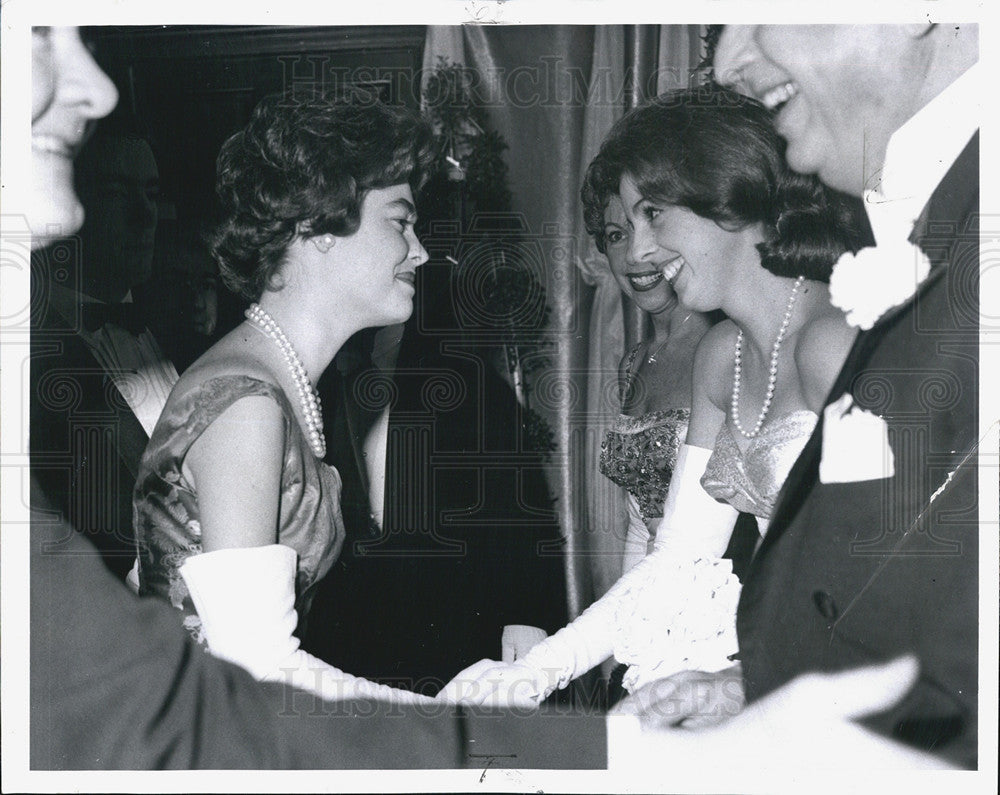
<point>920,153</point>
<point>868,284</point>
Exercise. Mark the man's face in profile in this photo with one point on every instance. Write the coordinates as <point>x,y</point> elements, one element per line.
<point>838,91</point>
<point>118,184</point>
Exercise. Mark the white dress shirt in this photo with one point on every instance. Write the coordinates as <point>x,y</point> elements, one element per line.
<point>920,152</point>
<point>135,363</point>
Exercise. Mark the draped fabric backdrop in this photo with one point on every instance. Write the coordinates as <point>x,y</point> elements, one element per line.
<point>553,92</point>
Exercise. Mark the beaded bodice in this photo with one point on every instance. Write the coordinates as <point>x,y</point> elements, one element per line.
<point>640,453</point>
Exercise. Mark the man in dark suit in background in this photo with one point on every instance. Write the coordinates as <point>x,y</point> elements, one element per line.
<point>98,377</point>
<point>872,551</point>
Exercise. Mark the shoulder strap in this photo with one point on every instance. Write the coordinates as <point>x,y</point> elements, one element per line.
<point>626,386</point>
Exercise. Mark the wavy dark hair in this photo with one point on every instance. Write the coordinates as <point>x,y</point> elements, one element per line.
<point>717,153</point>
<point>304,169</point>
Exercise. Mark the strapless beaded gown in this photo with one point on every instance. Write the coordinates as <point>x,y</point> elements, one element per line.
<point>681,615</point>
<point>640,454</point>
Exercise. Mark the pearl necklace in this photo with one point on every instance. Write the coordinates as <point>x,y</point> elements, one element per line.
<point>772,378</point>
<point>308,398</point>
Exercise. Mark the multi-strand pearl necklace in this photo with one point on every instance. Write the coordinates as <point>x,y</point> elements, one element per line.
<point>308,399</point>
<point>772,378</point>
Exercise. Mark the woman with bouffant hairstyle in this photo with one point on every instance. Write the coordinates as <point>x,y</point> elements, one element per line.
<point>716,153</point>
<point>711,205</point>
<point>305,168</point>
<point>237,517</point>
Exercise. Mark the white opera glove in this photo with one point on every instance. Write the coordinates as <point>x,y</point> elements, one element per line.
<point>245,598</point>
<point>637,536</point>
<point>694,525</point>
<point>681,613</point>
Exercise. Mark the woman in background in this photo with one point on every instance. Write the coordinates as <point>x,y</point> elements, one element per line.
<point>236,516</point>
<point>711,204</point>
<point>640,449</point>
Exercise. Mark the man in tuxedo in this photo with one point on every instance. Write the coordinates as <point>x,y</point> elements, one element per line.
<point>872,550</point>
<point>98,377</point>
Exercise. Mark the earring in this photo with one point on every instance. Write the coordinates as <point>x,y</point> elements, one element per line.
<point>324,243</point>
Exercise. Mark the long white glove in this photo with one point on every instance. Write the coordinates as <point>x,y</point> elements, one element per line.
<point>694,525</point>
<point>245,598</point>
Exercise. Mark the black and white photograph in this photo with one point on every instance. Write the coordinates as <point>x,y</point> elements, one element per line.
<point>503,397</point>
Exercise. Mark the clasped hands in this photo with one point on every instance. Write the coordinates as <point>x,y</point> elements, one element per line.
<point>493,684</point>
<point>689,699</point>
<point>782,725</point>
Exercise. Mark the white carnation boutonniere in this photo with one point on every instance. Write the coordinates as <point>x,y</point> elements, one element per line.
<point>868,284</point>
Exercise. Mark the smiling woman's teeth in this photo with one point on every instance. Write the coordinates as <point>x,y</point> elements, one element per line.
<point>670,271</point>
<point>645,281</point>
<point>778,95</point>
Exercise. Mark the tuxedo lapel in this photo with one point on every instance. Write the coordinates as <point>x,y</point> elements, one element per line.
<point>130,437</point>
<point>85,442</point>
<point>951,200</point>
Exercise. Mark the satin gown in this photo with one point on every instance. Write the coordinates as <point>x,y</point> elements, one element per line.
<point>166,513</point>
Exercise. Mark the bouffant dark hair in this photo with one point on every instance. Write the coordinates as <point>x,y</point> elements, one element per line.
<point>303,168</point>
<point>717,153</point>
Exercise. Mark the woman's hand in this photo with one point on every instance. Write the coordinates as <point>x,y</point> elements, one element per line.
<point>689,699</point>
<point>459,689</point>
<point>493,684</point>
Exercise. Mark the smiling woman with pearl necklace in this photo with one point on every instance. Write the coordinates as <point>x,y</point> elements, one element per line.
<point>710,203</point>
<point>237,515</point>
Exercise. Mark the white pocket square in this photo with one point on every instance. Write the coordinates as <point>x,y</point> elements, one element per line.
<point>855,445</point>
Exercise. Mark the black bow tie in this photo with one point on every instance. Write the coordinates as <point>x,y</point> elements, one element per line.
<point>125,316</point>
